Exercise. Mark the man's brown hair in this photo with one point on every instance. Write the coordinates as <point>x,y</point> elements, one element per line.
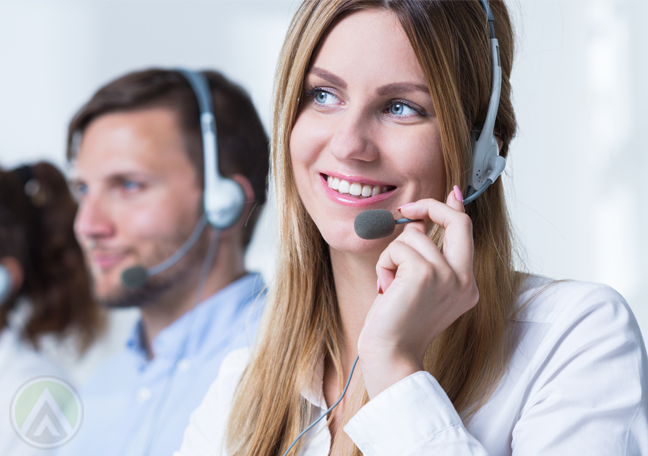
<point>242,141</point>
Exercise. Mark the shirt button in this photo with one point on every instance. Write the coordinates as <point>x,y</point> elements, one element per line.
<point>184,365</point>
<point>143,394</point>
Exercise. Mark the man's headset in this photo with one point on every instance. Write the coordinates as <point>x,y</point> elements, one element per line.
<point>486,167</point>
<point>223,198</point>
<point>223,203</point>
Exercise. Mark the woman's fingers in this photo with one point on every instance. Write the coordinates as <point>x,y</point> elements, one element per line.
<point>400,254</point>
<point>420,249</point>
<point>425,290</point>
<point>420,242</point>
<point>458,241</point>
<point>455,199</point>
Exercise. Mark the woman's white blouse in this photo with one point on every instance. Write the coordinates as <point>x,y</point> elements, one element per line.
<point>19,363</point>
<point>576,385</point>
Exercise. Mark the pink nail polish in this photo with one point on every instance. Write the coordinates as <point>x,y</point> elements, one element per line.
<point>405,205</point>
<point>458,195</point>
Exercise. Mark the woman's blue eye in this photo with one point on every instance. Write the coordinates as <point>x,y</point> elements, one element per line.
<point>324,98</point>
<point>401,109</point>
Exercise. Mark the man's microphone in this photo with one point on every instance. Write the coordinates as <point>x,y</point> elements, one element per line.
<point>137,276</point>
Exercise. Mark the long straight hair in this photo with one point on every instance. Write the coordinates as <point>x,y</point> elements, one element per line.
<point>302,322</point>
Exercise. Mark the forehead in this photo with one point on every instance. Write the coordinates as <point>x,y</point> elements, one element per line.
<point>372,45</point>
<point>136,141</point>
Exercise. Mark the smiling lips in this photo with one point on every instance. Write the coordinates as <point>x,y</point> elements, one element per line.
<point>357,189</point>
<point>106,260</point>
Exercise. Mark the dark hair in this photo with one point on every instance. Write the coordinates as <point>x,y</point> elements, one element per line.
<point>242,142</point>
<point>36,228</point>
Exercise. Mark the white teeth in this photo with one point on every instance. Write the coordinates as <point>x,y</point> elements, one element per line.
<point>354,188</point>
<point>333,182</point>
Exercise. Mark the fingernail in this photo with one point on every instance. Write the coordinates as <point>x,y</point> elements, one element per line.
<point>379,288</point>
<point>458,195</point>
<point>405,205</point>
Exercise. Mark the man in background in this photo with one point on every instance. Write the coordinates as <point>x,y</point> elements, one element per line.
<point>137,153</point>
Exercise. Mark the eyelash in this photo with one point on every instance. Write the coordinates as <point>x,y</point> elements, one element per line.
<point>310,94</point>
<point>405,103</point>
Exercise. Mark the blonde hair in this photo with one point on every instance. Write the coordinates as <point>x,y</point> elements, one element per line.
<point>302,322</point>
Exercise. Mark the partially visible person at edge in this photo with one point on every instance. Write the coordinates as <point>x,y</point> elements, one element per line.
<point>44,291</point>
<point>459,353</point>
<point>137,154</point>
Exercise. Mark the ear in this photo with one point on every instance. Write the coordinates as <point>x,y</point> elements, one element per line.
<point>249,203</point>
<point>245,185</point>
<point>500,143</point>
<point>16,272</point>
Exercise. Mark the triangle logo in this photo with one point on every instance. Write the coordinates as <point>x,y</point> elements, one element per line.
<point>46,412</point>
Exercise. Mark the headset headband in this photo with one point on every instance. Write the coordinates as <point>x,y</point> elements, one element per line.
<point>487,164</point>
<point>223,198</point>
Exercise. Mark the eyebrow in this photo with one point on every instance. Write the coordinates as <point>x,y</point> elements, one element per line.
<point>402,87</point>
<point>395,87</point>
<point>74,182</point>
<point>117,176</point>
<point>330,77</point>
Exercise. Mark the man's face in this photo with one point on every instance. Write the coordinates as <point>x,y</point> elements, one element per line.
<point>139,201</point>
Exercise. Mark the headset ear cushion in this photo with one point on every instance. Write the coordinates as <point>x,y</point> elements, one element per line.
<point>5,284</point>
<point>224,204</point>
<point>475,133</point>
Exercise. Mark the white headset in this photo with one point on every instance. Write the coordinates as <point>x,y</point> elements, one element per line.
<point>5,284</point>
<point>487,164</point>
<point>223,198</point>
<point>486,167</point>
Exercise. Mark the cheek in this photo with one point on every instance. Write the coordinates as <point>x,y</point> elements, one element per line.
<point>418,157</point>
<point>159,218</point>
<point>146,221</point>
<point>426,167</point>
<point>307,141</point>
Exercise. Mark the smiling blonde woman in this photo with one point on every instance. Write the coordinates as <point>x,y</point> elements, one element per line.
<point>459,353</point>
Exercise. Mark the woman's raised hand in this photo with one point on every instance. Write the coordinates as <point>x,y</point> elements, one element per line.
<point>421,292</point>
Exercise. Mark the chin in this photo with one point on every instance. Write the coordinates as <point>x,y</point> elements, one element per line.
<point>106,282</point>
<point>344,239</point>
<point>105,292</point>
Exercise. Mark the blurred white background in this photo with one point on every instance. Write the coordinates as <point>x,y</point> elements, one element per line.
<point>575,172</point>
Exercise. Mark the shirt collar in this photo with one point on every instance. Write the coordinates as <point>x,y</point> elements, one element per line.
<point>135,342</point>
<point>313,391</point>
<point>188,333</point>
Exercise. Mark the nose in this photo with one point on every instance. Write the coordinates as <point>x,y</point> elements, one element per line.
<point>353,139</point>
<point>92,222</point>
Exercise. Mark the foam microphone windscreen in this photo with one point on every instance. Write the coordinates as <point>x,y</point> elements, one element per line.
<point>374,224</point>
<point>134,277</point>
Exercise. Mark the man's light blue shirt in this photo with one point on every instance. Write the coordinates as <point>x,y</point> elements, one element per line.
<point>137,407</point>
